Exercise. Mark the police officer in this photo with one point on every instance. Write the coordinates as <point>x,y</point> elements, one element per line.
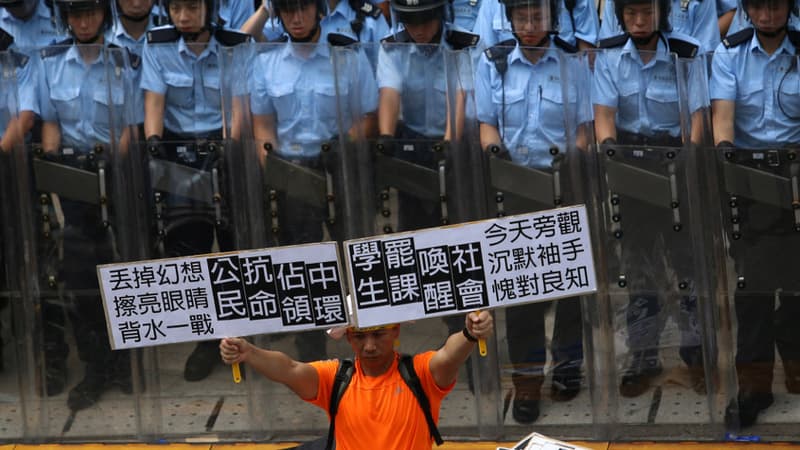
<point>577,21</point>
<point>635,97</point>
<point>357,19</point>
<point>522,114</point>
<point>78,113</point>
<point>695,18</point>
<point>755,106</point>
<point>296,113</point>
<point>133,19</point>
<point>181,78</point>
<point>29,21</point>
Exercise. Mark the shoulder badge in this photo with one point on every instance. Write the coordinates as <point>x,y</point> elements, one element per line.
<point>738,38</point>
<point>340,40</point>
<point>56,48</point>
<point>683,49</point>
<point>460,40</point>
<point>230,38</point>
<point>399,38</point>
<point>614,41</point>
<point>163,34</point>
<point>564,45</point>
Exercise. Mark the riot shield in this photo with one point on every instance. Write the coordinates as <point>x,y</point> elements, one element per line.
<point>757,201</point>
<point>203,195</point>
<point>16,313</point>
<point>537,153</point>
<point>75,204</point>
<point>658,288</point>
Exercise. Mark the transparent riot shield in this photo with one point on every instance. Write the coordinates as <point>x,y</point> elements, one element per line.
<point>536,152</point>
<point>202,195</point>
<point>757,201</point>
<point>652,230</point>
<point>75,205</point>
<point>16,324</point>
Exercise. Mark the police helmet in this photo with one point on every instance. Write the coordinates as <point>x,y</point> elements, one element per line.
<point>748,3</point>
<point>65,7</point>
<point>550,5</point>
<point>664,7</point>
<point>418,11</point>
<point>15,3</point>
<point>293,5</point>
<point>212,10</point>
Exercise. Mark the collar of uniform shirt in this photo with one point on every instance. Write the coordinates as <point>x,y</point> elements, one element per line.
<point>786,46</point>
<point>550,53</point>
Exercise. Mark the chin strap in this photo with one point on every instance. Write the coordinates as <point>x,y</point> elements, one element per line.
<point>308,38</point>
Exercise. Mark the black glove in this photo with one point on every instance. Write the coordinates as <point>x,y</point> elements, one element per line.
<point>385,144</point>
<point>725,144</point>
<point>609,141</point>
<point>499,151</point>
<point>154,146</point>
<point>441,147</point>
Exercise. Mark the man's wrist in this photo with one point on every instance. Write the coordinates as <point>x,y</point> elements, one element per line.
<point>468,335</point>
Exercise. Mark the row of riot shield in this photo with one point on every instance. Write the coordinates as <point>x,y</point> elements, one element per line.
<point>286,144</point>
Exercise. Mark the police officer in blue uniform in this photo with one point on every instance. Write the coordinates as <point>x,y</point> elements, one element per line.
<point>753,89</point>
<point>30,22</point>
<point>133,19</point>
<point>181,78</point>
<point>356,19</point>
<point>635,98</point>
<point>301,117</point>
<point>79,105</point>
<point>578,23</point>
<point>523,114</point>
<point>695,18</point>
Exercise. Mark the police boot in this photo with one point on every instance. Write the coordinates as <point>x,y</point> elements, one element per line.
<point>202,361</point>
<point>121,372</point>
<point>525,408</point>
<point>55,368</point>
<point>88,391</point>
<point>567,379</point>
<point>754,396</point>
<point>791,368</point>
<point>639,373</point>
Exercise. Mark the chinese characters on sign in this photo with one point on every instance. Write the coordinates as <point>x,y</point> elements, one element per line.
<point>488,264</point>
<point>231,294</point>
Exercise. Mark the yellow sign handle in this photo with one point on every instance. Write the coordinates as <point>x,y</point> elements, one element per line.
<point>481,344</point>
<point>237,373</point>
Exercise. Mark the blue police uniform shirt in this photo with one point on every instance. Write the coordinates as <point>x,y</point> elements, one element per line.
<point>338,21</point>
<point>32,34</point>
<point>82,99</point>
<point>493,26</point>
<point>118,36</point>
<point>645,95</point>
<point>696,18</point>
<point>418,74</point>
<point>465,13</point>
<point>234,13</point>
<point>297,84</point>
<point>724,6</point>
<point>17,86</point>
<point>537,106</point>
<point>189,82</point>
<point>756,81</point>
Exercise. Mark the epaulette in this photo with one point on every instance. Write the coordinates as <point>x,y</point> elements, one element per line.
<point>564,45</point>
<point>6,39</point>
<point>794,38</point>
<point>738,38</point>
<point>19,58</point>
<point>56,48</point>
<point>162,35</point>
<point>498,54</point>
<point>340,40</point>
<point>366,8</point>
<point>459,40</point>
<point>230,38</point>
<point>397,38</point>
<point>614,41</point>
<point>684,49</point>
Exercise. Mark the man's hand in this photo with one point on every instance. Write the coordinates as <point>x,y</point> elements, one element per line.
<point>234,350</point>
<point>480,324</point>
<point>154,146</point>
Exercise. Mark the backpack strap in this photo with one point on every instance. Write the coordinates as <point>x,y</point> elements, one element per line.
<point>406,367</point>
<point>340,382</point>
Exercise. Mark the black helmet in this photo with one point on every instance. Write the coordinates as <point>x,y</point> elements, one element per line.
<point>664,7</point>
<point>212,11</point>
<point>293,5</point>
<point>64,7</point>
<point>748,3</point>
<point>418,11</point>
<point>551,4</point>
<point>13,3</point>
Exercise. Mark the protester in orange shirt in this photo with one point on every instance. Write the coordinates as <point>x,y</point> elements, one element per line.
<point>377,410</point>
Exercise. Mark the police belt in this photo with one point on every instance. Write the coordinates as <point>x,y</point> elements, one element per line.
<point>192,150</point>
<point>79,177</point>
<point>187,169</point>
<point>661,139</point>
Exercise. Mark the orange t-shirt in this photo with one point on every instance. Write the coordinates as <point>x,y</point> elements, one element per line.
<point>381,412</point>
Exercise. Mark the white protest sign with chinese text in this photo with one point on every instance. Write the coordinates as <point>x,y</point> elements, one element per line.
<point>228,294</point>
<point>488,264</point>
